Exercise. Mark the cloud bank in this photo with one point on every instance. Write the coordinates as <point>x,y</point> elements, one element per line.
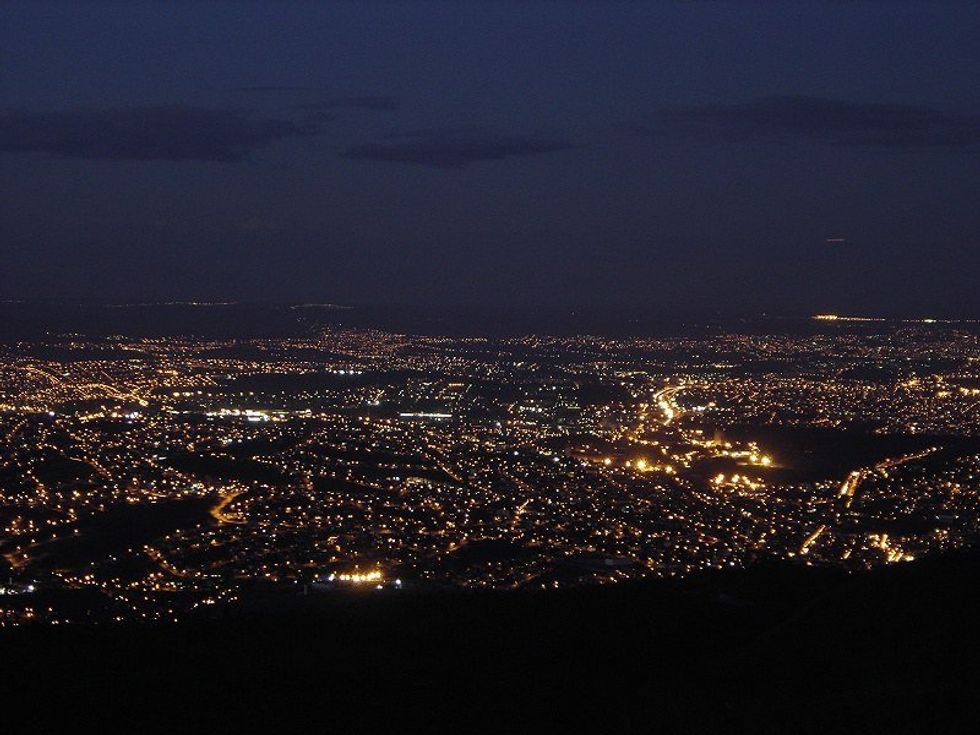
<point>824,120</point>
<point>171,133</point>
<point>454,147</point>
<point>355,102</point>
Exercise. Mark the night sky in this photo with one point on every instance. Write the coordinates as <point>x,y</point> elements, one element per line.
<point>649,156</point>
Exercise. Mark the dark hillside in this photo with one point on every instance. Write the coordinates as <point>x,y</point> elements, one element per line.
<point>769,650</point>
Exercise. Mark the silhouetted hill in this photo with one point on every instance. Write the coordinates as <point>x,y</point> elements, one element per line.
<point>778,649</point>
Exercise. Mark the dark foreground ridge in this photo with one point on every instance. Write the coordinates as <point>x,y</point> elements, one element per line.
<point>779,649</point>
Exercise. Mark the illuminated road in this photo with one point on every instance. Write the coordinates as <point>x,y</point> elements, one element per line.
<point>853,482</point>
<point>850,486</point>
<point>15,430</point>
<point>888,463</point>
<point>518,512</point>
<point>110,390</point>
<point>665,402</point>
<point>217,511</point>
<point>811,539</point>
<point>161,560</point>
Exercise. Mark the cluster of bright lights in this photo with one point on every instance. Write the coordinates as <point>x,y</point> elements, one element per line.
<point>249,414</point>
<point>18,590</point>
<point>374,575</point>
<point>642,465</point>
<point>736,480</point>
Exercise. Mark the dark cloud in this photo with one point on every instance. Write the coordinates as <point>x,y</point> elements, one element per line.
<point>436,132</point>
<point>172,133</point>
<point>356,102</point>
<point>453,147</point>
<point>815,118</point>
<point>261,89</point>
